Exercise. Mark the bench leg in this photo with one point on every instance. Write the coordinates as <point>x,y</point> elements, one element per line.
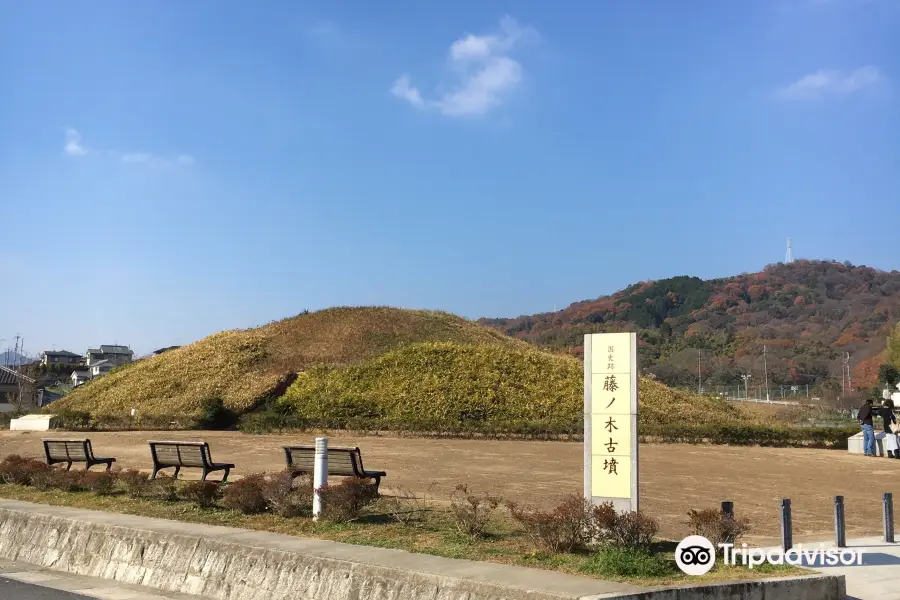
<point>109,466</point>
<point>68,466</point>
<point>155,471</point>
<point>225,477</point>
<point>377,482</point>
<point>175,475</point>
<point>203,476</point>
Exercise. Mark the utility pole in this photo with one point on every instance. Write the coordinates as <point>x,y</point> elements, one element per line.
<point>17,354</point>
<point>843,379</point>
<point>849,379</point>
<point>699,371</point>
<point>766,370</point>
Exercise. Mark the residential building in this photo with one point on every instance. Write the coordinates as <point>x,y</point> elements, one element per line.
<point>116,355</point>
<point>9,389</point>
<point>101,368</point>
<point>78,377</point>
<point>60,357</point>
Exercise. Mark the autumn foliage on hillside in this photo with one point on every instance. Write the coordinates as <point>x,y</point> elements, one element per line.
<point>807,314</point>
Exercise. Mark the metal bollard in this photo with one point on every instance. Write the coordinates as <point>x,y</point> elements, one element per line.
<point>787,535</point>
<point>320,475</point>
<point>888,513</point>
<point>840,527</point>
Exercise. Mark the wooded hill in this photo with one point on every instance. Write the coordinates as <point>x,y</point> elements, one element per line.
<point>807,314</point>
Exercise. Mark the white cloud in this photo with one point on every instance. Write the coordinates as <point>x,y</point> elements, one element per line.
<point>73,145</point>
<point>146,158</point>
<point>402,89</point>
<point>486,73</point>
<point>833,83</point>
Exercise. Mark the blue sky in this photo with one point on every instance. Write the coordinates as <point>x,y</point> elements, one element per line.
<point>169,169</point>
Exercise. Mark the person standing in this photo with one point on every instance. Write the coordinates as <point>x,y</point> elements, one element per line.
<point>890,438</point>
<point>865,420</point>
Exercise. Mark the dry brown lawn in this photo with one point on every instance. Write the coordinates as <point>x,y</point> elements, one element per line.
<point>674,478</point>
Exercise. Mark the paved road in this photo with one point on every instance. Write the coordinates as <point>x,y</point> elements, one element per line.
<point>25,582</point>
<point>876,578</point>
<point>15,590</point>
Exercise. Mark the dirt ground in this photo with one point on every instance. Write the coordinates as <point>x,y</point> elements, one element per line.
<point>674,478</point>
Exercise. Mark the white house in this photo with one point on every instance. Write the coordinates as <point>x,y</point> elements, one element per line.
<point>100,368</point>
<point>79,377</point>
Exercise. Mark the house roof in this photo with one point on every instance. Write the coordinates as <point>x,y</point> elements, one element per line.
<point>80,373</point>
<point>161,350</point>
<point>104,349</point>
<point>99,363</point>
<point>61,353</point>
<point>10,377</point>
<point>116,349</point>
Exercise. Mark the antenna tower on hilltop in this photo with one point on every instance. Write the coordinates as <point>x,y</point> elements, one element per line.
<point>789,257</point>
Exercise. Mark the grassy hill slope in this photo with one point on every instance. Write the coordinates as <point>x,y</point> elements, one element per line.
<point>447,386</point>
<point>241,367</point>
<point>381,368</point>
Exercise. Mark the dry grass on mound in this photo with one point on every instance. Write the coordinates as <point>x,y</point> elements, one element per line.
<point>449,385</point>
<point>243,366</point>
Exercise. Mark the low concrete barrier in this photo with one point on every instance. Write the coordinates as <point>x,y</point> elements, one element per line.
<point>235,564</point>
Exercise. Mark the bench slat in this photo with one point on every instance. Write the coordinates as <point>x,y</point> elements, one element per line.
<point>341,461</point>
<point>67,450</point>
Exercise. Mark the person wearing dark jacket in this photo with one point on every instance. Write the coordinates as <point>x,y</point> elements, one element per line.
<point>865,420</point>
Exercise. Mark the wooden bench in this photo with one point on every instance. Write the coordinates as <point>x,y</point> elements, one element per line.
<point>345,462</point>
<point>73,451</point>
<point>185,454</point>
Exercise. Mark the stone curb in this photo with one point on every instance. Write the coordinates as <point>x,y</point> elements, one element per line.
<point>224,563</point>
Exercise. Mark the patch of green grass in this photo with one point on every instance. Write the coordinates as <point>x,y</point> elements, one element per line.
<point>435,534</point>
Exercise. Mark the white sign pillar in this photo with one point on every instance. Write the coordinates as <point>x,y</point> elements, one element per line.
<point>611,419</point>
<point>320,475</point>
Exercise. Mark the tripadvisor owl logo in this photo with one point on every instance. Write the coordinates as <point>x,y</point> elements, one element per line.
<point>695,555</point>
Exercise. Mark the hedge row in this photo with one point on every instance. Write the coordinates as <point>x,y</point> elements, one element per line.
<point>750,435</point>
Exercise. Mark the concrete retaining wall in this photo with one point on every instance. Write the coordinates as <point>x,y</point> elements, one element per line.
<point>233,564</point>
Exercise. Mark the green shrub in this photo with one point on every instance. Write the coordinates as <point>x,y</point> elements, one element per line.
<point>614,562</point>
<point>749,435</point>
<point>275,419</point>
<point>71,420</point>
<point>215,415</point>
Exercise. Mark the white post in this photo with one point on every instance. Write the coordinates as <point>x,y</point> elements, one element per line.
<point>320,475</point>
